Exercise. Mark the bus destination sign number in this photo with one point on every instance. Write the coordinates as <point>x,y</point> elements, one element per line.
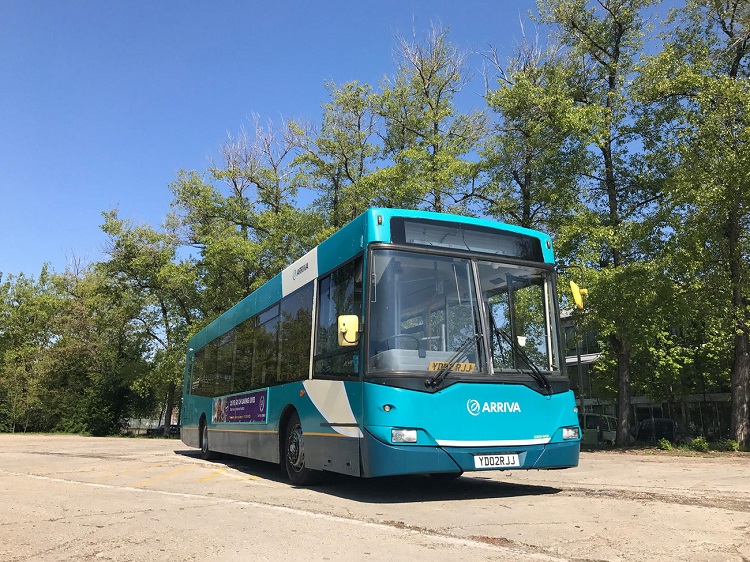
<point>496,461</point>
<point>456,367</point>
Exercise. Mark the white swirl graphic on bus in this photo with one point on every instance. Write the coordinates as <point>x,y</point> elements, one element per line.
<point>473,407</point>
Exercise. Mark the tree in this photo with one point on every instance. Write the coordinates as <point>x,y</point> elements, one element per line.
<point>27,308</point>
<point>700,96</point>
<point>603,42</point>
<point>67,354</point>
<point>336,161</point>
<point>534,156</point>
<point>426,142</point>
<point>144,268</point>
<point>97,357</point>
<point>241,216</point>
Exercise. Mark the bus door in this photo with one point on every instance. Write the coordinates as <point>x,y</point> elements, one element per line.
<point>336,388</point>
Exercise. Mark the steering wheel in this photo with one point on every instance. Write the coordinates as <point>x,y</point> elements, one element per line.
<point>395,337</point>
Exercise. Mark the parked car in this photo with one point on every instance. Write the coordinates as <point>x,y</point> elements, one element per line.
<point>597,429</point>
<point>652,430</point>
<point>174,431</point>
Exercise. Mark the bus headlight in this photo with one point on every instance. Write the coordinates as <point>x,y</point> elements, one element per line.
<point>571,433</point>
<point>403,435</point>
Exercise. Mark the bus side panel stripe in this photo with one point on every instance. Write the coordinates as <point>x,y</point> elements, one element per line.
<point>331,400</point>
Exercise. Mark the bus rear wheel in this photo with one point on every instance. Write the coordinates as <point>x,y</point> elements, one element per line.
<point>294,454</point>
<point>206,453</point>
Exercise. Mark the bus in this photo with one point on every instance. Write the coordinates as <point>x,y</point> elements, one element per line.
<point>409,342</point>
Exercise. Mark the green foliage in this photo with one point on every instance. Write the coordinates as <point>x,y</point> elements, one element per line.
<point>26,336</point>
<point>144,272</point>
<point>699,444</point>
<point>535,152</point>
<point>426,141</point>
<point>5,414</point>
<point>53,373</point>
<point>700,109</point>
<point>664,444</point>
<point>336,162</point>
<point>729,445</point>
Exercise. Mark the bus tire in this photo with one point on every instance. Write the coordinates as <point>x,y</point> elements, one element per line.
<point>294,454</point>
<point>206,453</point>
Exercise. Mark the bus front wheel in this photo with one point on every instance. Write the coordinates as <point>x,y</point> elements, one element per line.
<point>294,454</point>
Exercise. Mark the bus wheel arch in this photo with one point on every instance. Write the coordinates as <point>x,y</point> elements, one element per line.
<point>283,422</point>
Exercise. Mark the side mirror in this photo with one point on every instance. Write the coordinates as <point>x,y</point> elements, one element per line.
<point>578,293</point>
<point>348,329</point>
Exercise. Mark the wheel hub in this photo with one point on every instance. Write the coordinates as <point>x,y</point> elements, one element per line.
<point>295,449</point>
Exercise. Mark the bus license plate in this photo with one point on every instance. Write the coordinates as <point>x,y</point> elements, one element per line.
<point>495,461</point>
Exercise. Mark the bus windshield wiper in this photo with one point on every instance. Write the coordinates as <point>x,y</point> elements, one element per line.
<point>437,379</point>
<point>536,372</point>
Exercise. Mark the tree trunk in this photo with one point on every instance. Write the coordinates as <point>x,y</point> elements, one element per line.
<point>740,381</point>
<point>622,349</point>
<point>740,376</point>
<point>169,408</point>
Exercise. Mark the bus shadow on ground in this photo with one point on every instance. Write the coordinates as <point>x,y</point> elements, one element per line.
<point>392,489</point>
<point>423,488</point>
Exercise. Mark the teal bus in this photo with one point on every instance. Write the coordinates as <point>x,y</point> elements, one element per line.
<point>409,342</point>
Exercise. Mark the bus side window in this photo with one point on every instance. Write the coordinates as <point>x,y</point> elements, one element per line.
<point>224,361</point>
<point>204,371</point>
<point>295,329</point>
<point>198,381</point>
<point>266,358</point>
<point>338,293</point>
<point>209,374</point>
<point>243,356</point>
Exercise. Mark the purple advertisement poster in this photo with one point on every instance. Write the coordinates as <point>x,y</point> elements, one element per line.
<point>246,407</point>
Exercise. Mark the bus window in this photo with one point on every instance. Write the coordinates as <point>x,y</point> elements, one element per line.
<point>338,293</point>
<point>295,327</point>
<point>423,311</point>
<point>265,360</point>
<point>198,380</point>
<point>224,360</point>
<point>208,387</point>
<point>243,356</point>
<point>518,301</point>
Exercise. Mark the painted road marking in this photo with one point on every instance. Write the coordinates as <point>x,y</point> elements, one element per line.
<point>223,472</point>
<point>124,472</point>
<point>214,474</point>
<point>161,477</point>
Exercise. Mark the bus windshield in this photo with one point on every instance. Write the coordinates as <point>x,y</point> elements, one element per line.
<point>521,316</point>
<point>424,308</point>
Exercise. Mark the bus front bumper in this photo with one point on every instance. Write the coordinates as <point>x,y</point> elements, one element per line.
<point>383,459</point>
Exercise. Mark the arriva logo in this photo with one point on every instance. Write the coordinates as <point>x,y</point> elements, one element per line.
<point>300,270</point>
<point>475,408</point>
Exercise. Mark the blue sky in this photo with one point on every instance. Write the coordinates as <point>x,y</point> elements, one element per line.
<point>102,102</point>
